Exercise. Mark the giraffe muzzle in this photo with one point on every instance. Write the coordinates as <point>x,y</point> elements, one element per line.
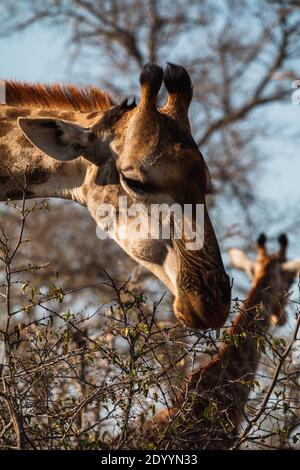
<point>196,313</point>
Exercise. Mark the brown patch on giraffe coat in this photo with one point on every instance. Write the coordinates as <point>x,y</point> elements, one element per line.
<point>34,176</point>
<point>4,163</point>
<point>5,128</point>
<point>68,116</point>
<point>48,113</point>
<point>93,115</point>
<point>24,142</point>
<point>14,113</point>
<point>4,150</point>
<point>37,176</point>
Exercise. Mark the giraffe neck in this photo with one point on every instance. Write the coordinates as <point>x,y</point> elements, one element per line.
<point>254,315</point>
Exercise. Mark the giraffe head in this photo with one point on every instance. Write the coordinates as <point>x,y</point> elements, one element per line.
<point>148,154</point>
<point>272,272</point>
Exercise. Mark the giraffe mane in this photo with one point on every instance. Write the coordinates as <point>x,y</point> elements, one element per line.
<point>57,97</point>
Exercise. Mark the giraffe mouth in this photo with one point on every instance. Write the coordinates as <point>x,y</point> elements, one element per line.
<point>192,311</point>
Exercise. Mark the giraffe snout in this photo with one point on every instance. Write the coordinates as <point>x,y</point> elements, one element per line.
<point>194,311</point>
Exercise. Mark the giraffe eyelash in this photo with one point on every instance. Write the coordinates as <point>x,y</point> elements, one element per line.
<point>211,190</point>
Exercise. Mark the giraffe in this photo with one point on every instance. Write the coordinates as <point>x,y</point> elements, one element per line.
<point>77,144</point>
<point>217,392</point>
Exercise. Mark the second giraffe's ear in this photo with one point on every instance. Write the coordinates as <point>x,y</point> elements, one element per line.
<point>241,261</point>
<point>62,140</point>
<point>292,266</point>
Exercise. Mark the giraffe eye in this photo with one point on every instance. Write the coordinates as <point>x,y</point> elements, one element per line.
<point>136,186</point>
<point>211,190</point>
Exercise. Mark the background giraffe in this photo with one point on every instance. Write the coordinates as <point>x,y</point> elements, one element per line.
<point>216,394</point>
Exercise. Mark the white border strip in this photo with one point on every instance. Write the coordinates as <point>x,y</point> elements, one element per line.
<point>2,92</point>
<point>3,358</point>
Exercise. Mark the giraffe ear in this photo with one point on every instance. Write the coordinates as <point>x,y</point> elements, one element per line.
<point>241,261</point>
<point>61,140</point>
<point>292,266</point>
